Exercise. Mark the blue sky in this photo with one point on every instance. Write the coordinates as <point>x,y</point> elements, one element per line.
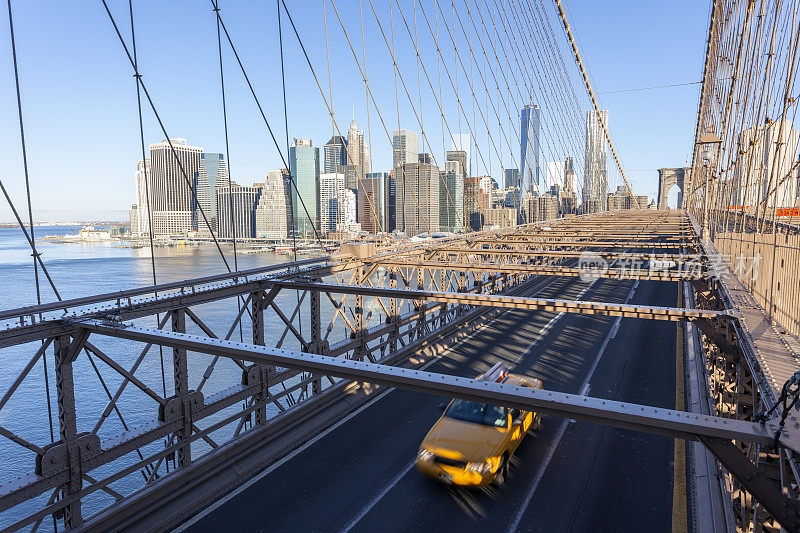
<point>79,97</point>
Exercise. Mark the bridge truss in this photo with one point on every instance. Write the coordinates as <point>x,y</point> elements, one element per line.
<point>230,398</point>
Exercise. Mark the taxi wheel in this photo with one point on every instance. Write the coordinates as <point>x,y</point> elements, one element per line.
<point>537,422</point>
<point>502,471</point>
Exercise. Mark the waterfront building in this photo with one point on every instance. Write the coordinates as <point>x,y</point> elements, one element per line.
<point>595,179</point>
<point>173,182</point>
<point>133,216</point>
<point>236,206</point>
<point>143,184</point>
<point>304,169</point>
<point>272,211</point>
<point>333,198</point>
<point>213,175</point>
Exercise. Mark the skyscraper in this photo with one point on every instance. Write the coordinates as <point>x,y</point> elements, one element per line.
<point>529,145</point>
<point>595,179</point>
<point>143,185</point>
<point>462,143</point>
<point>237,211</point>
<point>451,197</point>
<point>390,203</point>
<point>419,198</point>
<point>335,154</point>
<point>272,211</point>
<point>357,154</point>
<point>173,179</point>
<point>512,178</point>
<point>304,168</point>
<point>212,176</point>
<point>371,197</point>
<point>404,147</point>
<point>332,196</point>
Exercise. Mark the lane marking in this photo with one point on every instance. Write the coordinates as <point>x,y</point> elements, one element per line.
<point>368,507</point>
<point>214,506</point>
<point>549,325</point>
<point>218,503</point>
<point>378,497</point>
<point>562,428</point>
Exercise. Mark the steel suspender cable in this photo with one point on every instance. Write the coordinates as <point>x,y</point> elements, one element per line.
<point>228,167</point>
<point>594,99</point>
<point>146,185</point>
<point>32,239</point>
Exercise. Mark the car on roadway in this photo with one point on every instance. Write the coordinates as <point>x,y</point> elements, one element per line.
<point>472,443</point>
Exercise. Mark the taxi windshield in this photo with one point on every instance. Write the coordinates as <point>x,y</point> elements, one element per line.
<point>478,413</point>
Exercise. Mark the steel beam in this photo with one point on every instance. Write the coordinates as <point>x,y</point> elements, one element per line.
<point>644,418</point>
<point>518,302</point>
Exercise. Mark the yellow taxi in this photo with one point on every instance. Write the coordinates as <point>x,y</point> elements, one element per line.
<point>472,442</point>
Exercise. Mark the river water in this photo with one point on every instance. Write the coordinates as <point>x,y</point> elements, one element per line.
<point>83,269</point>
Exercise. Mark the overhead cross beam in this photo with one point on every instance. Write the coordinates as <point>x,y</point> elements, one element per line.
<point>516,302</point>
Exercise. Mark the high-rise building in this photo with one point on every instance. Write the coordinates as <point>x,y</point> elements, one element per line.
<point>569,176</point>
<point>462,143</point>
<point>512,178</point>
<point>425,157</point>
<point>370,201</point>
<point>540,208</point>
<point>133,216</point>
<point>471,190</point>
<point>595,179</point>
<point>173,180</point>
<point>462,158</point>
<point>337,203</point>
<point>390,203</point>
<point>143,185</point>
<point>419,198</point>
<point>405,147</point>
<point>304,169</point>
<point>529,145</point>
<point>357,154</point>
<point>502,217</point>
<point>272,212</point>
<point>237,208</point>
<point>335,155</point>
<point>765,173</point>
<point>213,175</point>
<point>451,197</point>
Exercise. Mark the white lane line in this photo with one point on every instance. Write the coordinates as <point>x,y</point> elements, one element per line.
<point>378,497</point>
<point>562,428</point>
<point>214,506</point>
<point>549,325</point>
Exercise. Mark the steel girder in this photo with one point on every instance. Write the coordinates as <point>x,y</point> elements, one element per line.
<point>517,302</point>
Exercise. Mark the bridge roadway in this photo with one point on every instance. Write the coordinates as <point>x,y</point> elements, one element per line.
<point>567,476</point>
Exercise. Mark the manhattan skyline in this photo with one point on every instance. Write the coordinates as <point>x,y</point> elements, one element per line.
<point>58,128</point>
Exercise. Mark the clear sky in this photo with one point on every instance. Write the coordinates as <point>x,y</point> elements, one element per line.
<point>79,99</point>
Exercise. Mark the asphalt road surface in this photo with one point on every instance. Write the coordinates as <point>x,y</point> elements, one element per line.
<point>568,476</point>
